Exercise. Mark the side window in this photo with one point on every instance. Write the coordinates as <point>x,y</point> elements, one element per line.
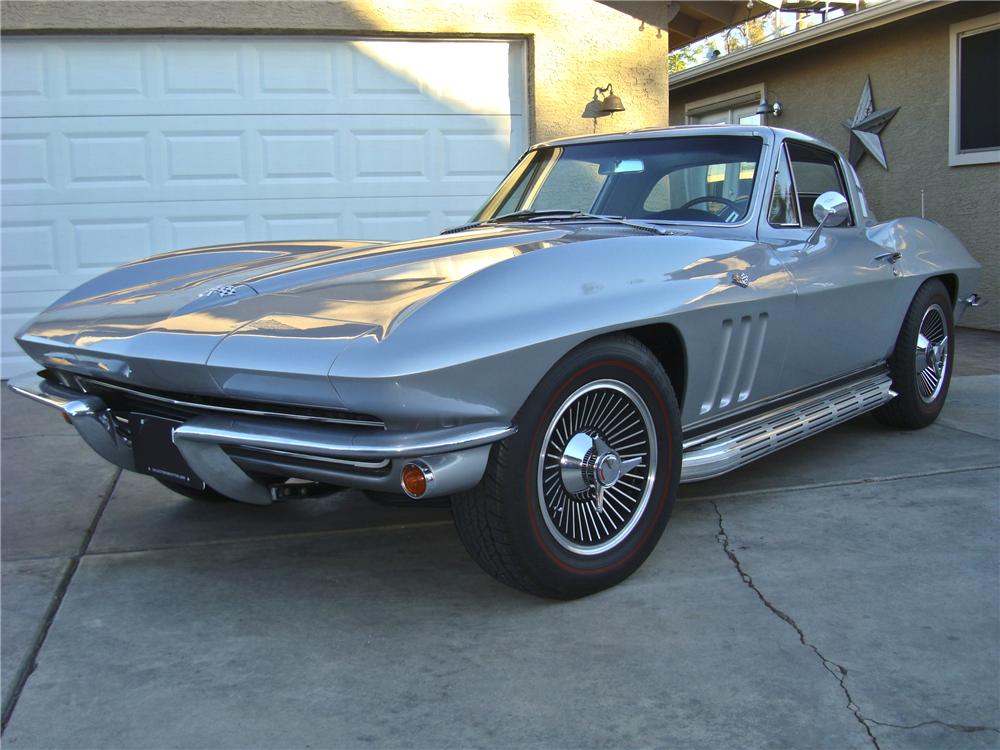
<point>783,211</point>
<point>816,171</point>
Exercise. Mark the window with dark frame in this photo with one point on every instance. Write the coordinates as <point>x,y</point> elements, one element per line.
<point>979,90</point>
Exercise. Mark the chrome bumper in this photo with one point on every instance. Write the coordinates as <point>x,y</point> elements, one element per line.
<point>88,414</point>
<point>456,455</point>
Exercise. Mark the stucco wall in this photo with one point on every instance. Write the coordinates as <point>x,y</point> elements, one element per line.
<point>819,88</point>
<point>573,45</point>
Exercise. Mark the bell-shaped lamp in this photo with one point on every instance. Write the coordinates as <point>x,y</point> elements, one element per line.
<point>612,102</point>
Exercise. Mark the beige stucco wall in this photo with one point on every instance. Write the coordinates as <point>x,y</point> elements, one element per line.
<point>573,45</point>
<point>819,87</point>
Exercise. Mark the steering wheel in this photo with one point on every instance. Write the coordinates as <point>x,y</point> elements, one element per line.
<point>733,206</point>
<point>711,199</point>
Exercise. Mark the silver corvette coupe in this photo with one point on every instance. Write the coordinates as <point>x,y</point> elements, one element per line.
<point>625,313</point>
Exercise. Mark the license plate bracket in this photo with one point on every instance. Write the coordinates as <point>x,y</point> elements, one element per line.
<point>155,453</point>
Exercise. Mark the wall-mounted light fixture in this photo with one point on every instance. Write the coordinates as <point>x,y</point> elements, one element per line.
<point>611,103</point>
<point>765,108</point>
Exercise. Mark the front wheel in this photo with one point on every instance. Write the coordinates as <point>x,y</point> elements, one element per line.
<point>921,361</point>
<point>577,499</point>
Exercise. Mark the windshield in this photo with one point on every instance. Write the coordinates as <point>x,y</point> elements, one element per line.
<point>677,179</point>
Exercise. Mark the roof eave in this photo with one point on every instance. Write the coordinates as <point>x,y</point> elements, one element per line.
<point>869,18</point>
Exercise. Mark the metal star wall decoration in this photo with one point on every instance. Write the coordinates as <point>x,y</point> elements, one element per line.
<point>866,126</point>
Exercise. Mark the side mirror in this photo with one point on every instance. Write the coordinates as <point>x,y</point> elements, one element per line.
<point>830,209</point>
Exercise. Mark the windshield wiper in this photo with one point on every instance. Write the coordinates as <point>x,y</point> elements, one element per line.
<point>561,214</point>
<point>636,223</point>
<point>525,215</point>
<point>530,215</point>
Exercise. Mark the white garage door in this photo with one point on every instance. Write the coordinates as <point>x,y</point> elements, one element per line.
<point>117,148</point>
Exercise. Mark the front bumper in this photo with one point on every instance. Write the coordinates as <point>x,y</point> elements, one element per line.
<point>232,453</point>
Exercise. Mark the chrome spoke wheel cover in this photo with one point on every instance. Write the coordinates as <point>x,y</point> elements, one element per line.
<point>596,467</point>
<point>931,356</point>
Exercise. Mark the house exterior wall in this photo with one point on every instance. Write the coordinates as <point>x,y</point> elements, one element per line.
<point>573,45</point>
<point>819,87</point>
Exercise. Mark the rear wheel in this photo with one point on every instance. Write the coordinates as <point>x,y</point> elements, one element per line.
<point>577,499</point>
<point>921,362</point>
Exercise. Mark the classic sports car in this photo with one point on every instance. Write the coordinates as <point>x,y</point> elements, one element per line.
<point>625,313</point>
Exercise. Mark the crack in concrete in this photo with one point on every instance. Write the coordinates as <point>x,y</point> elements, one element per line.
<point>838,671</point>
<point>957,727</point>
<point>30,664</point>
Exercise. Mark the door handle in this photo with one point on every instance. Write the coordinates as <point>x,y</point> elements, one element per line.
<point>889,257</point>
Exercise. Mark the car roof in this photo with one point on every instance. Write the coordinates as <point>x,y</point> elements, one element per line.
<point>769,134</point>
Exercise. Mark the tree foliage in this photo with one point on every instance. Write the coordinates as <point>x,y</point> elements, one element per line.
<point>747,34</point>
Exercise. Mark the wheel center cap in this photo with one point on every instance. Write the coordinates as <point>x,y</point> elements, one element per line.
<point>608,469</point>
<point>936,355</point>
<point>588,462</point>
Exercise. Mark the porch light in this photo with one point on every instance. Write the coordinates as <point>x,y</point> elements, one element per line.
<point>764,108</point>
<point>612,102</point>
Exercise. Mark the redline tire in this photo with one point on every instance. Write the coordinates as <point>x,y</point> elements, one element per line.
<point>502,522</point>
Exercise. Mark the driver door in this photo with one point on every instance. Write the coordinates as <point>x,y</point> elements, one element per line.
<point>839,278</point>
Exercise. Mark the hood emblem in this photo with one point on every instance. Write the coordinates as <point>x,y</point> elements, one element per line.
<point>222,291</point>
<point>741,279</point>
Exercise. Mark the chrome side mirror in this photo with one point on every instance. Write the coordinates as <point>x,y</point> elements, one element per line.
<point>830,209</point>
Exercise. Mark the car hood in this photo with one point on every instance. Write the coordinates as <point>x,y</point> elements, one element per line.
<point>151,320</point>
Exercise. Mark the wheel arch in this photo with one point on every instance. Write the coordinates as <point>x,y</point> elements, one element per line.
<point>667,345</point>
<point>950,282</point>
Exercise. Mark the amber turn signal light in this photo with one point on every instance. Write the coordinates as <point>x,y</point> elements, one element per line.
<point>415,479</point>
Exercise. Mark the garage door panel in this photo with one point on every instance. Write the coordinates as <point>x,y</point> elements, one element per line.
<point>197,155</point>
<point>26,161</point>
<point>102,76</point>
<point>200,69</point>
<point>28,247</point>
<point>294,224</point>
<point>100,243</point>
<point>141,159</point>
<point>95,71</point>
<point>298,155</point>
<point>103,159</point>
<point>22,76</point>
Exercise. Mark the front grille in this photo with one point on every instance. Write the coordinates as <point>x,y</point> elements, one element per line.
<point>261,459</point>
<point>124,399</point>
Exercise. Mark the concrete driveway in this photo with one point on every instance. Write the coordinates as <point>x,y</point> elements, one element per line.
<point>841,594</point>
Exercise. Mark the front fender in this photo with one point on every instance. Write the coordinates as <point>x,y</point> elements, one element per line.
<point>477,350</point>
